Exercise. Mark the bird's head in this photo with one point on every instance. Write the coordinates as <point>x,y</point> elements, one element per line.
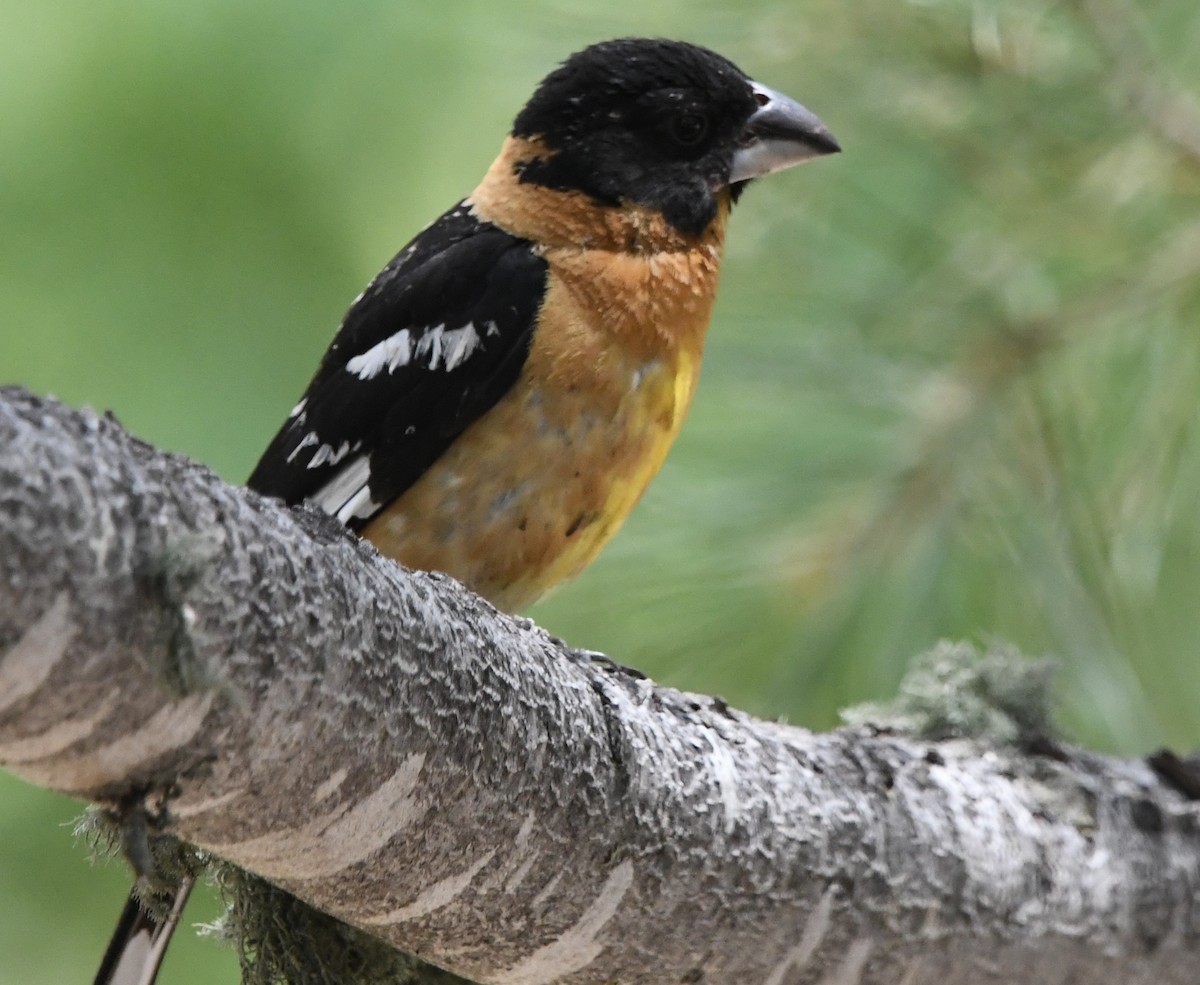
<point>662,124</point>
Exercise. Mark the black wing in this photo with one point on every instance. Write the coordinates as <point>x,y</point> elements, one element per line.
<point>435,341</point>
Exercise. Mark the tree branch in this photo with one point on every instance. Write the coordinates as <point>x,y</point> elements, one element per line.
<point>390,749</point>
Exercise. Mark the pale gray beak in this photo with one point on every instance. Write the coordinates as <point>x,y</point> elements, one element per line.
<point>779,134</point>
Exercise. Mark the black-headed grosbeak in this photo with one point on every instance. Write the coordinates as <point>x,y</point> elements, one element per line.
<point>499,397</point>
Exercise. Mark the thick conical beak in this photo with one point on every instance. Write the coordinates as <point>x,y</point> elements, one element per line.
<point>779,134</point>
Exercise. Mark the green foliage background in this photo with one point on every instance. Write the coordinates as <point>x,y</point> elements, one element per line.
<point>951,387</point>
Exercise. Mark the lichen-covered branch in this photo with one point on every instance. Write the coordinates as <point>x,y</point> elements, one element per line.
<point>393,751</point>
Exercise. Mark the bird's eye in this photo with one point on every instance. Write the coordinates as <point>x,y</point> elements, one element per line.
<point>689,128</point>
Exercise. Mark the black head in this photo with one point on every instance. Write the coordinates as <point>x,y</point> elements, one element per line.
<point>659,123</point>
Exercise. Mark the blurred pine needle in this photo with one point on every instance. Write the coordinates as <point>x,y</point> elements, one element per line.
<point>951,386</point>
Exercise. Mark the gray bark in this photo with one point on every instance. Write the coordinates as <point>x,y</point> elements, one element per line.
<point>395,752</point>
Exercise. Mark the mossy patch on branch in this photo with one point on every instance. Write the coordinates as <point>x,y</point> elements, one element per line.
<point>954,691</point>
<point>279,939</point>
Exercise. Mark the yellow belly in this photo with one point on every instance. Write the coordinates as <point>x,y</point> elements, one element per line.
<point>527,496</point>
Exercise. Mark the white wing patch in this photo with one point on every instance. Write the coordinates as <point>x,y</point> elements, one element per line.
<point>347,495</point>
<point>395,350</point>
<point>359,507</point>
<point>438,347</point>
<point>451,347</point>
<point>327,453</point>
<point>307,441</point>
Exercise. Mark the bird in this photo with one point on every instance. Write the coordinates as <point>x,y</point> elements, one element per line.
<point>498,398</point>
